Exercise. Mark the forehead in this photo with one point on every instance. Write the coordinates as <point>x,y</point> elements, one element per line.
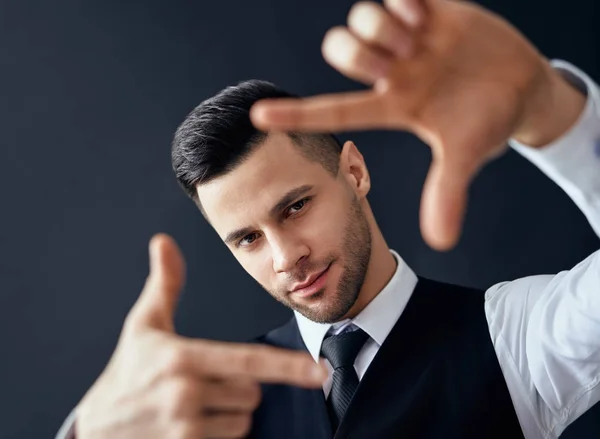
<point>253,187</point>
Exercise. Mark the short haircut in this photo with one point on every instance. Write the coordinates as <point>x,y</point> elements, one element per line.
<point>218,135</point>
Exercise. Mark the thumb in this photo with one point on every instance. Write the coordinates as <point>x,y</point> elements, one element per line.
<point>443,203</point>
<point>157,304</point>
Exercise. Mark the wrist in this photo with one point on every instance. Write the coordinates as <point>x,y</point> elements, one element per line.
<point>551,107</point>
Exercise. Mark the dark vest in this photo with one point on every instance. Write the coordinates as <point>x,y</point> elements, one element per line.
<point>435,376</point>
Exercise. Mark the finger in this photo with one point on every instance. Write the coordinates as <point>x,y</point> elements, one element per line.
<point>157,303</point>
<point>411,12</point>
<point>332,112</point>
<point>355,59</point>
<point>373,24</point>
<point>179,397</point>
<point>443,204</point>
<point>233,361</point>
<point>231,395</point>
<point>184,429</point>
<point>227,425</point>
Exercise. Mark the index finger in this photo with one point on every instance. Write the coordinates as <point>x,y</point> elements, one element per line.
<point>330,112</point>
<point>261,363</point>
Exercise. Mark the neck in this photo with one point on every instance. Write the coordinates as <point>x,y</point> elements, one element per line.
<point>382,266</point>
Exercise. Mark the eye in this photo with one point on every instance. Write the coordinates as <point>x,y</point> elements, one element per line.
<point>298,206</point>
<point>248,240</point>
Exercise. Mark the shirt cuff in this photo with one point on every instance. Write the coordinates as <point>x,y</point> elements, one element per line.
<point>573,160</point>
<point>67,430</point>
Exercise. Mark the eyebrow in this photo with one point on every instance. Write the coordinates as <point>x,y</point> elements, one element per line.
<point>283,202</point>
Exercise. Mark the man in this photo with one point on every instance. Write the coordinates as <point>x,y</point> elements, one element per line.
<point>405,357</point>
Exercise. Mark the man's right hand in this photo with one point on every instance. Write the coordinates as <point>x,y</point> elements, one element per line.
<point>159,384</point>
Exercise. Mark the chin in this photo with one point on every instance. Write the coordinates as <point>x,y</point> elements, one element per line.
<point>325,308</point>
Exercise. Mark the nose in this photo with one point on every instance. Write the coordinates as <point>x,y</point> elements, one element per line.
<point>287,252</point>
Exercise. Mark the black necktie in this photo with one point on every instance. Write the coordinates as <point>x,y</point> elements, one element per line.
<point>341,351</point>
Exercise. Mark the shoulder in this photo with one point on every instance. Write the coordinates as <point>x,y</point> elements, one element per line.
<point>446,288</point>
<point>448,301</point>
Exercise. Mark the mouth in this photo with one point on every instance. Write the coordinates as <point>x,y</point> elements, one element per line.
<point>314,283</point>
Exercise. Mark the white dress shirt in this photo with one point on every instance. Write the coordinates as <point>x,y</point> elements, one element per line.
<point>545,329</point>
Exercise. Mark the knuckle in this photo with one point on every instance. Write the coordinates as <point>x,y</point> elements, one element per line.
<point>184,430</point>
<point>250,360</point>
<point>254,396</point>
<point>179,394</point>
<point>367,18</point>
<point>394,4</point>
<point>174,361</point>
<point>130,324</point>
<point>179,389</point>
<point>240,425</point>
<point>376,27</point>
<point>358,9</point>
<point>331,42</point>
<point>356,56</point>
<point>341,49</point>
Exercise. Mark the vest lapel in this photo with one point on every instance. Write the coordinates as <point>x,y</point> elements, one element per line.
<point>310,415</point>
<point>309,405</point>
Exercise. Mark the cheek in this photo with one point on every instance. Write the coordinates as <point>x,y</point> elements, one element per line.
<point>327,228</point>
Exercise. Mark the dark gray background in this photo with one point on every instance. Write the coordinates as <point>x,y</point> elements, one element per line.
<point>90,94</point>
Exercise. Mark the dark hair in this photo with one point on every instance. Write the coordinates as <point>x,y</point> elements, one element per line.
<point>218,135</point>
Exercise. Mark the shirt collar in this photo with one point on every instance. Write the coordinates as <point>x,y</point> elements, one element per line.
<point>377,319</point>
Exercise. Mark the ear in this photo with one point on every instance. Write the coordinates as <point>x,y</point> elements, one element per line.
<point>354,169</point>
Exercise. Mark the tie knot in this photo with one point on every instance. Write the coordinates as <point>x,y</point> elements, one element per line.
<point>341,350</point>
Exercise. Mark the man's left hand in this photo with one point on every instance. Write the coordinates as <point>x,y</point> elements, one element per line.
<point>456,75</point>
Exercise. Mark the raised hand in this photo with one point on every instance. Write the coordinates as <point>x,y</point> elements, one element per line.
<point>456,75</point>
<point>159,384</point>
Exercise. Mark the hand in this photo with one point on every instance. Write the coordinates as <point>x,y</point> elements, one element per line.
<point>456,75</point>
<point>159,384</point>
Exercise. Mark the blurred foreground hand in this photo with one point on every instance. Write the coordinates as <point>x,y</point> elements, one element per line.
<point>456,75</point>
<point>159,384</point>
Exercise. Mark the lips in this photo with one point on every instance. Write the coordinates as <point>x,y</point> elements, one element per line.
<point>309,280</point>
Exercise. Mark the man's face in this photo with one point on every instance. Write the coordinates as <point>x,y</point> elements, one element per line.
<point>294,227</point>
